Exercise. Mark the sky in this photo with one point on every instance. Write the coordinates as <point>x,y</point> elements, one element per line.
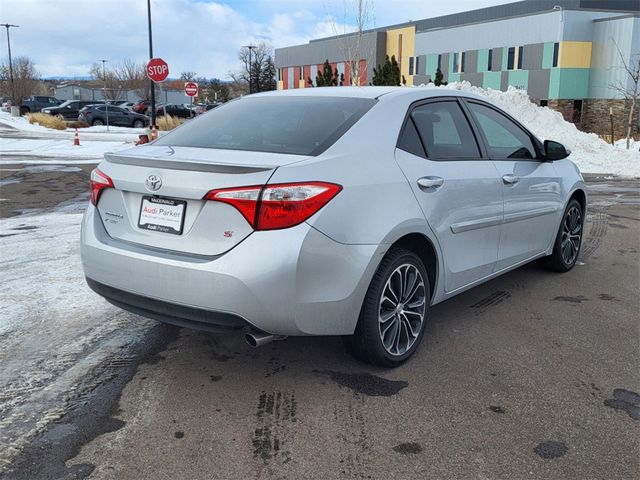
<point>65,37</point>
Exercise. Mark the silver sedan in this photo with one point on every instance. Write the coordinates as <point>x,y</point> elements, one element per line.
<point>329,211</point>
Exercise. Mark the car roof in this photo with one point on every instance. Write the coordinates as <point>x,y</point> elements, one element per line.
<point>371,92</point>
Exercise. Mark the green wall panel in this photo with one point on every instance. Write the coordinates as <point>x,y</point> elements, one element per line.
<point>432,64</point>
<point>519,79</point>
<point>492,80</point>
<point>547,55</point>
<point>483,59</point>
<point>569,83</point>
<point>453,77</point>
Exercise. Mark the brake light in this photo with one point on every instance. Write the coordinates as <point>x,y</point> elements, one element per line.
<point>271,207</point>
<point>99,181</point>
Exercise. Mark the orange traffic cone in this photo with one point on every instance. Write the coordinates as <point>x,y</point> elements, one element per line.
<point>154,133</point>
<point>76,139</point>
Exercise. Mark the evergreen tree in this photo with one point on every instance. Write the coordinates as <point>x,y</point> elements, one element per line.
<point>309,82</point>
<point>387,74</point>
<point>327,78</point>
<point>439,77</point>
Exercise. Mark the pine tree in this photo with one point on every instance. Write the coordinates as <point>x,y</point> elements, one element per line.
<point>309,82</point>
<point>387,74</point>
<point>327,78</point>
<point>439,77</point>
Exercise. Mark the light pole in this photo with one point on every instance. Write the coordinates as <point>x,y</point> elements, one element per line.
<point>13,90</point>
<point>104,94</point>
<point>250,47</point>
<point>153,87</point>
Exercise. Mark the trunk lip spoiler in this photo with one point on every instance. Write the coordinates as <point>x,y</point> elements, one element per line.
<point>186,164</point>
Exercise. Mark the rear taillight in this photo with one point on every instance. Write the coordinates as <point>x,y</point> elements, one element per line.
<point>269,207</point>
<point>99,181</point>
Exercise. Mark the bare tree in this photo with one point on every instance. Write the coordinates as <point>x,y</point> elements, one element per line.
<point>357,18</point>
<point>261,71</point>
<point>26,79</point>
<point>111,88</point>
<point>126,76</point>
<point>629,87</point>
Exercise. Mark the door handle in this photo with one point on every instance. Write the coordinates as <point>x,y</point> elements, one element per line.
<point>427,183</point>
<point>510,179</point>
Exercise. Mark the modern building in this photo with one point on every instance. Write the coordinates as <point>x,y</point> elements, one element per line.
<point>567,54</point>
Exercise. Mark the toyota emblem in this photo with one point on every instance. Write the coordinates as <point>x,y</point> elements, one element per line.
<point>153,183</point>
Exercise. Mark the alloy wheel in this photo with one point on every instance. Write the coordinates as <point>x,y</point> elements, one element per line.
<point>571,235</point>
<point>402,309</point>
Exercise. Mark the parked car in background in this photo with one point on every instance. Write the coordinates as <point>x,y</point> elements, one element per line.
<point>97,115</point>
<point>36,103</point>
<point>141,106</point>
<point>127,105</point>
<point>175,110</point>
<point>345,211</point>
<point>70,109</point>
<point>200,109</point>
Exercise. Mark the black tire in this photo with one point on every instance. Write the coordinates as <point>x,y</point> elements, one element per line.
<point>138,123</point>
<point>366,343</point>
<point>97,122</point>
<point>559,260</point>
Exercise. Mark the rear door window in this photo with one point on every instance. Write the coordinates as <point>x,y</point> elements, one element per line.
<point>504,139</point>
<point>279,124</point>
<point>444,131</point>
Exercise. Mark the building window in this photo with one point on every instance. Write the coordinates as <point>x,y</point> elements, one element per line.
<point>439,62</point>
<point>417,63</point>
<point>511,58</point>
<point>456,62</point>
<point>490,60</point>
<point>556,51</point>
<point>462,58</point>
<point>520,51</point>
<point>410,65</point>
<point>301,73</point>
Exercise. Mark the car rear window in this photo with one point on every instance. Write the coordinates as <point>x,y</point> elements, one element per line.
<point>291,125</point>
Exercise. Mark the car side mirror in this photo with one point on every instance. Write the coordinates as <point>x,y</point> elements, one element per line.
<point>555,150</point>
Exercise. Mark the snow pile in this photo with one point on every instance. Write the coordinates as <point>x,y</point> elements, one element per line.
<point>589,152</point>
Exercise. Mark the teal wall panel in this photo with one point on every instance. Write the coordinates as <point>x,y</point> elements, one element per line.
<point>547,55</point>
<point>432,64</point>
<point>492,80</point>
<point>483,59</point>
<point>569,83</point>
<point>519,79</point>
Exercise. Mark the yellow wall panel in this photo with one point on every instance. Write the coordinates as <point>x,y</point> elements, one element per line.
<point>302,83</point>
<point>574,55</point>
<point>280,85</point>
<point>408,49</point>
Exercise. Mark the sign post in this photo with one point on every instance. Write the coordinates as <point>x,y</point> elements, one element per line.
<point>157,71</point>
<point>191,89</point>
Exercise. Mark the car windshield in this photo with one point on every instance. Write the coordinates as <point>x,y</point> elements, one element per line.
<point>284,124</point>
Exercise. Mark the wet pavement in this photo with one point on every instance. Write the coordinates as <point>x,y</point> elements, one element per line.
<point>531,375</point>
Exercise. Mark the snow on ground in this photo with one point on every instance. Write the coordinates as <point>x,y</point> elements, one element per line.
<point>57,149</point>
<point>589,152</point>
<point>53,329</point>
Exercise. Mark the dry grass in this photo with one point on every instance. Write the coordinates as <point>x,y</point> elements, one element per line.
<point>50,121</point>
<point>169,123</point>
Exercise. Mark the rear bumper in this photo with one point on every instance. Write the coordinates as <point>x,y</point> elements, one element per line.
<point>179,315</point>
<point>287,282</point>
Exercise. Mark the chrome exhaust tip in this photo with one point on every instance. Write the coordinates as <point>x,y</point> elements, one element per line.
<point>258,339</point>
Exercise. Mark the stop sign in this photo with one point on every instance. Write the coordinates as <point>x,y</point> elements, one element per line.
<point>191,89</point>
<point>157,70</point>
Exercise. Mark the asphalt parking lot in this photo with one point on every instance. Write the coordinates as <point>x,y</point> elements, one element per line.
<point>532,375</point>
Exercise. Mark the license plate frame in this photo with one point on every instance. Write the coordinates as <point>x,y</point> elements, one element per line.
<point>169,226</point>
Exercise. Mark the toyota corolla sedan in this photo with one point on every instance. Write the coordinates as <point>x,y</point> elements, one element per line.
<point>329,211</point>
